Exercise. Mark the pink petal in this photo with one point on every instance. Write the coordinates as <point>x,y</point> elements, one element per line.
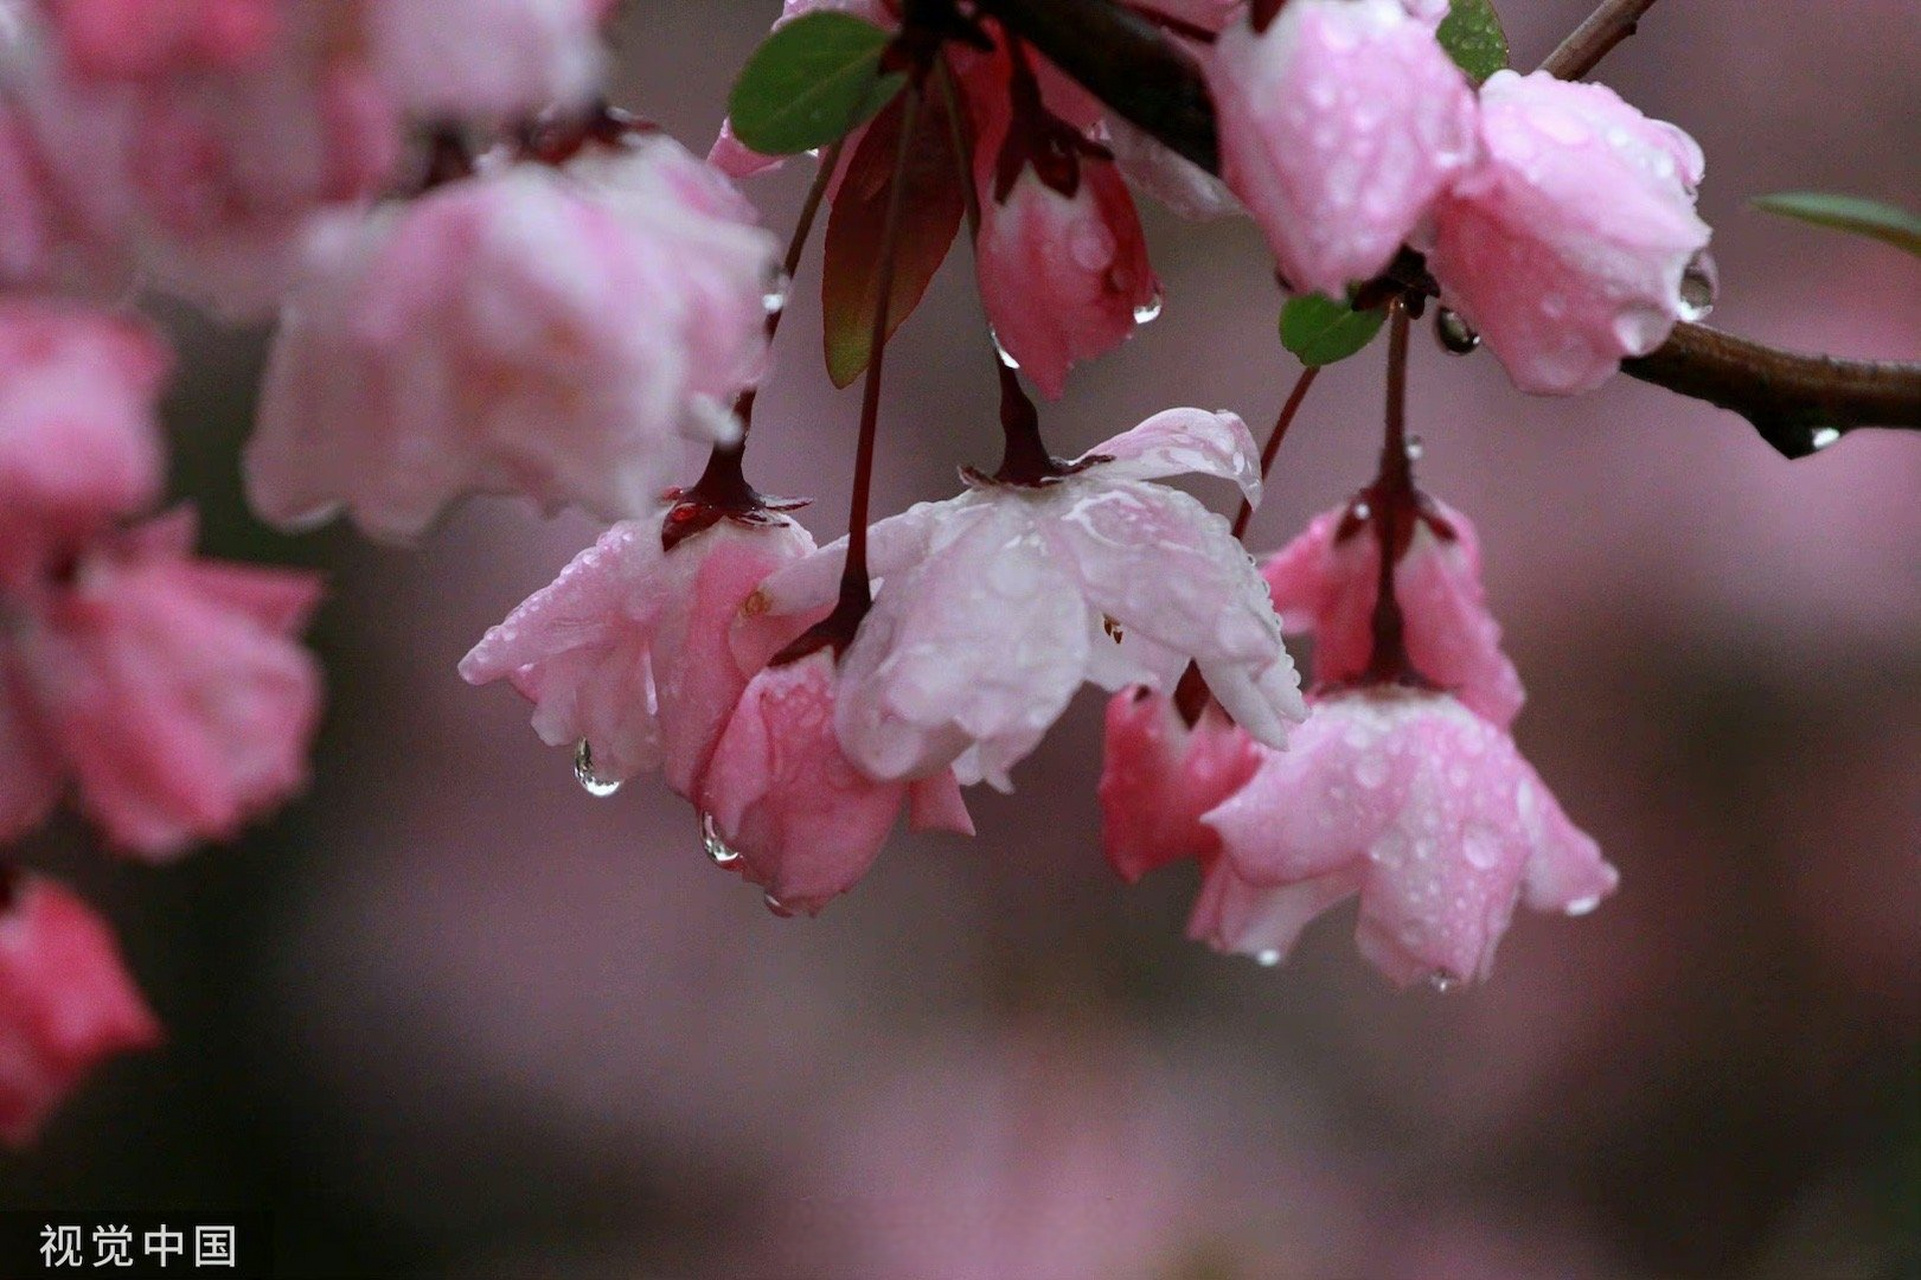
<point>1158,776</point>
<point>1180,442</point>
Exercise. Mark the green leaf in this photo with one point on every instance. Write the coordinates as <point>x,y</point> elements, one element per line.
<point>1471,33</point>
<point>1848,213</point>
<point>1321,331</point>
<point>931,213</point>
<point>811,83</point>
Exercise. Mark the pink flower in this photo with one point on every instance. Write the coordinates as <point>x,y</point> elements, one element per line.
<point>998,603</point>
<point>66,1002</point>
<point>802,819</point>
<point>204,181</point>
<point>1340,124</point>
<point>1326,580</point>
<point>142,39</point>
<point>557,333</point>
<point>1424,808</point>
<point>1565,247</point>
<point>441,58</point>
<point>1159,776</point>
<point>1061,259</point>
<point>630,649</point>
<point>166,688</point>
<point>79,447</point>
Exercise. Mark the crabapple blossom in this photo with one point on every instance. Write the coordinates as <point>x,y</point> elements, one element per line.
<point>1325,582</point>
<point>1339,125</point>
<point>142,39</point>
<point>1159,775</point>
<point>631,648</point>
<point>66,1002</point>
<point>78,444</point>
<point>166,689</point>
<point>997,604</point>
<point>202,182</point>
<point>485,57</point>
<point>789,810</point>
<point>1566,245</point>
<point>553,332</point>
<point>1424,808</point>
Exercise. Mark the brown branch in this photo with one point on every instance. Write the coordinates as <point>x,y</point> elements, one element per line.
<point>1606,27</point>
<point>1799,403</point>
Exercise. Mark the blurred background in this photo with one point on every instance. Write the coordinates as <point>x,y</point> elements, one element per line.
<point>449,1016</point>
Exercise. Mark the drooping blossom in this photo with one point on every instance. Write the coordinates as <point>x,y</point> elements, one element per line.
<point>789,810</point>
<point>1566,245</point>
<point>487,58</point>
<point>1159,775</point>
<point>1340,124</point>
<point>552,332</point>
<point>1061,259</point>
<point>1326,580</point>
<point>631,648</point>
<point>143,39</point>
<point>1425,809</point>
<point>166,690</point>
<point>998,603</point>
<point>66,1002</point>
<point>201,182</point>
<point>79,447</point>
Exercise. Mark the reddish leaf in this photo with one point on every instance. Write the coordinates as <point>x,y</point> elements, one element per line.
<point>930,216</point>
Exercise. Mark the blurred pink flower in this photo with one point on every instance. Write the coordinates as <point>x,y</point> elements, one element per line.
<point>1566,245</point>
<point>79,447</point>
<point>1325,582</point>
<point>1159,776</point>
<point>1340,124</point>
<point>66,1002</point>
<point>998,603</point>
<point>556,333</point>
<point>631,648</point>
<point>141,39</point>
<point>789,810</point>
<point>166,687</point>
<point>1425,808</point>
<point>440,58</point>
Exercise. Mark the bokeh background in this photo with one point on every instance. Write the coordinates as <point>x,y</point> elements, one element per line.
<point>449,1016</point>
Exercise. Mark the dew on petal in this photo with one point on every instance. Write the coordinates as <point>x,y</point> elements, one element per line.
<point>718,850</point>
<point>1700,283</point>
<point>1581,906</point>
<point>1821,437</point>
<point>590,782</point>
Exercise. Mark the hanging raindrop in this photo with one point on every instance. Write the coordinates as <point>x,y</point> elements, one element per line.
<point>1821,437</point>
<point>1150,311</point>
<point>1700,283</point>
<point>1001,351</point>
<point>1267,959</point>
<point>590,782</point>
<point>722,853</point>
<point>1415,448</point>
<point>778,908</point>
<point>1443,981</point>
<point>774,300</point>
<point>1453,333</point>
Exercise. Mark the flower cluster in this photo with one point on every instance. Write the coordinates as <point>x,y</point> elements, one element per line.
<point>1408,791</point>
<point>1558,221</point>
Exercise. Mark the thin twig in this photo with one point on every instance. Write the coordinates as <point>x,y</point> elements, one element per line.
<point>1606,27</point>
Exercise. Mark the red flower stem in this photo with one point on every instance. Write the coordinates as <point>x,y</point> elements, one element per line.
<point>856,594</point>
<point>1393,500</point>
<point>1274,438</point>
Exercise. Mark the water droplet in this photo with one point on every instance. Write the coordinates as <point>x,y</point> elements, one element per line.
<point>774,298</point>
<point>1454,334</point>
<point>1581,906</point>
<point>722,853</point>
<point>1443,981</point>
<point>590,782</point>
<point>1267,959</point>
<point>1700,283</point>
<point>1415,448</point>
<point>1821,437</point>
<point>779,908</point>
<point>1150,311</point>
<point>1001,351</point>
<point>1481,850</point>
<point>1363,512</point>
